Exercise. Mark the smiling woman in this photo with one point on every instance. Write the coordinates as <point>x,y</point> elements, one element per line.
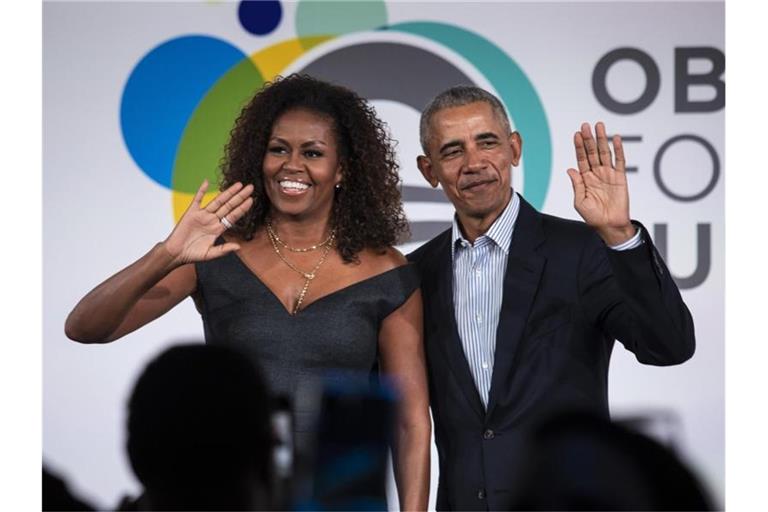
<point>293,262</point>
<point>301,167</point>
<point>336,124</point>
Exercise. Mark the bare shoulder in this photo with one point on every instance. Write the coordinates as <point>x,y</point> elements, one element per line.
<point>379,261</point>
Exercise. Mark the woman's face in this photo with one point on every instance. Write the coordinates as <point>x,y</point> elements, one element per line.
<point>301,165</point>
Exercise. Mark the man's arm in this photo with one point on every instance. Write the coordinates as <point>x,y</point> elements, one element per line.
<point>624,288</point>
<point>631,296</point>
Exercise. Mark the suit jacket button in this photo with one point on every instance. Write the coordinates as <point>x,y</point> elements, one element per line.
<point>481,494</point>
<point>488,434</point>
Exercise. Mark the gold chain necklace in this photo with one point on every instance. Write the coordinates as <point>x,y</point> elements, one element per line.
<point>308,276</point>
<point>274,236</point>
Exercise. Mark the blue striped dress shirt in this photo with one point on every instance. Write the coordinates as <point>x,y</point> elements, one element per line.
<point>478,277</point>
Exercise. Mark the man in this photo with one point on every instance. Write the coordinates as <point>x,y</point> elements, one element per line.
<point>521,309</point>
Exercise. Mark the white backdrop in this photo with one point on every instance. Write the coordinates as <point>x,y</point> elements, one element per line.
<point>101,211</point>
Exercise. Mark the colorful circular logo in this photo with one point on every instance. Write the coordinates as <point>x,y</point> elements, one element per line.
<point>182,98</point>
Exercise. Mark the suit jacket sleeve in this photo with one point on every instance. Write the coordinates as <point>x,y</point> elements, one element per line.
<point>631,297</point>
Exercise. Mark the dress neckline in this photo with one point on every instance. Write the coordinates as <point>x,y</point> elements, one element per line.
<point>343,289</point>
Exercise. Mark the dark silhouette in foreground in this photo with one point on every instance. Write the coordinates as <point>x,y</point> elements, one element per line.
<point>199,434</point>
<point>353,434</point>
<point>58,496</point>
<point>579,461</point>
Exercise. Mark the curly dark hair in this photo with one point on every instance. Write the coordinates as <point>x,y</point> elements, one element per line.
<point>367,209</point>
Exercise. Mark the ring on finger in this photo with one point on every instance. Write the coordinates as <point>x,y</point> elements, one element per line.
<point>226,222</point>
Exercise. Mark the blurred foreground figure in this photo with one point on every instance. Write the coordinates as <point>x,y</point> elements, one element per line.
<point>199,435</point>
<point>346,466</point>
<point>580,461</point>
<point>58,496</point>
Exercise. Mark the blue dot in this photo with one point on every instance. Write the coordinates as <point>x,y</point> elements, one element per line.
<point>260,17</point>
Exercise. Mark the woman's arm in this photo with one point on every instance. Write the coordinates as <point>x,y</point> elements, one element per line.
<point>133,297</point>
<point>402,358</point>
<point>161,278</point>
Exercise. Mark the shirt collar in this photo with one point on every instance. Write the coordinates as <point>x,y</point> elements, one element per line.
<point>500,231</point>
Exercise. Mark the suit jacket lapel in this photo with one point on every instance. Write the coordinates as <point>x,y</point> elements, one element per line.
<point>521,281</point>
<point>447,336</point>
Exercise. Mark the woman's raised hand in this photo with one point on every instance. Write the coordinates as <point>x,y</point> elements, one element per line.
<point>193,237</point>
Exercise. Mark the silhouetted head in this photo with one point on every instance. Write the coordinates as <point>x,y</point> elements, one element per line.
<point>199,434</point>
<point>583,462</point>
<point>58,496</point>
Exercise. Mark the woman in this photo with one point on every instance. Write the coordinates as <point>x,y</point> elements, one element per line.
<point>293,262</point>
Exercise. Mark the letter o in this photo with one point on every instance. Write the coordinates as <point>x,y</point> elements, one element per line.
<point>715,168</point>
<point>652,77</point>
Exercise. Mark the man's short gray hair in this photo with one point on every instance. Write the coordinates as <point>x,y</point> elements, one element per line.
<point>458,96</point>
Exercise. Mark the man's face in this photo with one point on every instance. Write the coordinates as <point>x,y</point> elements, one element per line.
<point>470,153</point>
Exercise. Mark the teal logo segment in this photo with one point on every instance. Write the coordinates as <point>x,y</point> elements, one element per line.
<point>181,99</point>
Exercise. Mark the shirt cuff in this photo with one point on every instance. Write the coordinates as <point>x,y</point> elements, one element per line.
<point>635,241</point>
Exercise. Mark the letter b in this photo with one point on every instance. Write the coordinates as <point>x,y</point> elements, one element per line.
<point>683,80</point>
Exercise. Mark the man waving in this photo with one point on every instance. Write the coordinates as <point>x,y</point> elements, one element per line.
<point>521,309</point>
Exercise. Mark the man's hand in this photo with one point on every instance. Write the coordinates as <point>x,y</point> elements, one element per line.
<point>600,188</point>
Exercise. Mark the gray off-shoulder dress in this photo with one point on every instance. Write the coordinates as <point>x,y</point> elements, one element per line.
<point>335,333</point>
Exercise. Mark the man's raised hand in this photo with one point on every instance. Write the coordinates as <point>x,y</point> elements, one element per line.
<point>600,192</point>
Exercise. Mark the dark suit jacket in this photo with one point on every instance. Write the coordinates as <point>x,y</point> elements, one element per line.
<point>566,298</point>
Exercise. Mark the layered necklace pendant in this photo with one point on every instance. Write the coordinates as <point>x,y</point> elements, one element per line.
<point>327,245</point>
